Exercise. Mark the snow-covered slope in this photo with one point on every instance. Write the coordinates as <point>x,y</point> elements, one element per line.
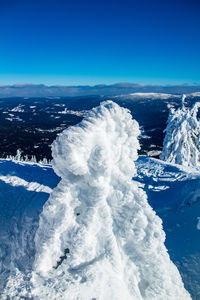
<point>24,189</point>
<point>163,96</point>
<point>174,193</point>
<point>98,238</point>
<point>196,94</point>
<point>182,139</point>
<point>148,96</point>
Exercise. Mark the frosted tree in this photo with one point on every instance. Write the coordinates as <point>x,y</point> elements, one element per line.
<point>98,238</point>
<point>182,140</point>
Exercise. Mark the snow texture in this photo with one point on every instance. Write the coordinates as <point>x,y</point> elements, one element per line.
<point>182,139</point>
<point>30,186</point>
<point>178,205</point>
<point>24,190</point>
<point>98,238</point>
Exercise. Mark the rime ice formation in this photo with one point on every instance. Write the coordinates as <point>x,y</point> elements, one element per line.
<point>182,139</point>
<point>98,238</point>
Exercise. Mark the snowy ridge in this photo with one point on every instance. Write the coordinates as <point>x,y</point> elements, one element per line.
<point>163,96</point>
<point>149,96</point>
<point>98,238</point>
<point>196,94</point>
<point>30,186</point>
<point>182,139</point>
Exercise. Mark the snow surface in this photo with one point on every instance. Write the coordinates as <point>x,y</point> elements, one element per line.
<point>18,108</point>
<point>182,140</point>
<point>198,223</point>
<point>29,186</point>
<point>21,199</point>
<point>163,96</point>
<point>196,94</point>
<point>173,192</point>
<point>98,238</point>
<point>178,206</point>
<point>81,113</point>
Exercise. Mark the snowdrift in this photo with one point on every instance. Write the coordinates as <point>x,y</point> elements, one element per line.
<point>182,139</point>
<point>24,190</point>
<point>98,238</point>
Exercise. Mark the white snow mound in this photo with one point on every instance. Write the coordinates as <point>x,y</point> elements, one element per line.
<point>98,238</point>
<point>182,139</point>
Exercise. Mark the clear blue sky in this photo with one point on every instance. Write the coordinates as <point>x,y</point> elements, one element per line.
<point>91,42</point>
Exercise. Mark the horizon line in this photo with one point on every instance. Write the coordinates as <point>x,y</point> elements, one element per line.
<point>123,83</point>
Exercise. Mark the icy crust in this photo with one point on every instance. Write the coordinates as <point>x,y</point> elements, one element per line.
<point>182,139</point>
<point>98,238</point>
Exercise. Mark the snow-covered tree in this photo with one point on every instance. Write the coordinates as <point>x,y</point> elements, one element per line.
<point>98,238</point>
<point>182,140</point>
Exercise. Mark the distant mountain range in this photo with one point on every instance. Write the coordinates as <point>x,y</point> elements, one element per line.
<point>40,90</point>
